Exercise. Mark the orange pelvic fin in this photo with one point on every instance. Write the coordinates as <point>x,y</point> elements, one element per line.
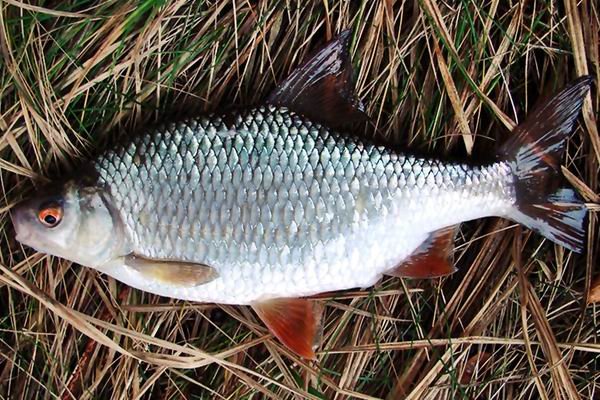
<point>295,322</point>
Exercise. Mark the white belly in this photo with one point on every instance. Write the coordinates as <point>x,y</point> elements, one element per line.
<point>357,259</point>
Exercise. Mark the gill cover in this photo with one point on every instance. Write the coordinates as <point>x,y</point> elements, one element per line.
<point>69,221</point>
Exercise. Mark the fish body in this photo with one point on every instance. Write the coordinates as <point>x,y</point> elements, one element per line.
<point>276,203</point>
<point>281,206</point>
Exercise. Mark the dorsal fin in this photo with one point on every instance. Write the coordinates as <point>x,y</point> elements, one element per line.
<point>322,88</point>
<point>432,259</point>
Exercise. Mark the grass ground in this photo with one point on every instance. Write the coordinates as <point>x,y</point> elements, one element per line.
<point>444,77</point>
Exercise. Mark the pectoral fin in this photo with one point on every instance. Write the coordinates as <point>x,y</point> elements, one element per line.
<point>173,272</point>
<point>295,322</point>
<point>432,259</point>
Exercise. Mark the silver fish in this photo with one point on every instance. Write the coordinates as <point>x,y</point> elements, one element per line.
<point>269,205</point>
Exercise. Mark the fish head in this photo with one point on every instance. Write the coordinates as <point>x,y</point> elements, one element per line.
<point>71,221</point>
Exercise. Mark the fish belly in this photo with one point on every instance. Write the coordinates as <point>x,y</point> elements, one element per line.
<point>281,206</point>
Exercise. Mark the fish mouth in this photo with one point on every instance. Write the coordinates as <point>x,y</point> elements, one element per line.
<point>17,218</point>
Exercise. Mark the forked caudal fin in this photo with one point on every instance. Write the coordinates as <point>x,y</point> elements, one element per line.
<point>544,202</point>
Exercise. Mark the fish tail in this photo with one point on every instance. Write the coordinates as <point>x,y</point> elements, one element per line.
<point>544,202</point>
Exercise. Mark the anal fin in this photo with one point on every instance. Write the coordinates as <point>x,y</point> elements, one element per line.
<point>178,273</point>
<point>295,322</point>
<point>430,260</point>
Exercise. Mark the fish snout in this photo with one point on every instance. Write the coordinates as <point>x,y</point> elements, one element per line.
<point>19,222</point>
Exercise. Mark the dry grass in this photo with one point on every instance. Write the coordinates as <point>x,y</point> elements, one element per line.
<point>446,77</point>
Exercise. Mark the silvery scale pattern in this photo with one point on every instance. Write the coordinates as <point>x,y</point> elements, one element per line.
<point>283,207</point>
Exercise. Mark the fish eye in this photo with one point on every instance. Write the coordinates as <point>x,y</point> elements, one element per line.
<point>50,214</point>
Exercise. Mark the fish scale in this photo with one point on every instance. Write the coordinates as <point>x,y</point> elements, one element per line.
<point>279,197</point>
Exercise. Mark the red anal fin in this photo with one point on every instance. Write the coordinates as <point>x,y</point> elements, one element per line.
<point>295,322</point>
<point>432,259</point>
<point>322,88</point>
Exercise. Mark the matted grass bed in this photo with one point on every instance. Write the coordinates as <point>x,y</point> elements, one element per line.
<point>449,78</point>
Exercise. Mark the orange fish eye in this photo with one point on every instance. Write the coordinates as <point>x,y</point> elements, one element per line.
<point>50,214</point>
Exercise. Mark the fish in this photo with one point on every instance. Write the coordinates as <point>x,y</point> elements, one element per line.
<point>270,205</point>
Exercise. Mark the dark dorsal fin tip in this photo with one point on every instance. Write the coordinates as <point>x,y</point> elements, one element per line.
<point>322,87</point>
